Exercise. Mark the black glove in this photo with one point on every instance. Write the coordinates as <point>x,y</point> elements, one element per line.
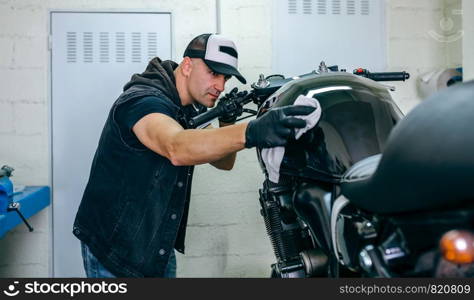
<point>231,111</point>
<point>276,126</point>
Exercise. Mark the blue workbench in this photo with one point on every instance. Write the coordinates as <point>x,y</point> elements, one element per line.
<point>32,199</point>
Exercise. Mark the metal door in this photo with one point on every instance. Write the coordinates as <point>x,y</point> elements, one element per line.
<point>92,56</point>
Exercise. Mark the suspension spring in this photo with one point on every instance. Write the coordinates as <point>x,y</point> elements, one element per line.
<point>284,242</point>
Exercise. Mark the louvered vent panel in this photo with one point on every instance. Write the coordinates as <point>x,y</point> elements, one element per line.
<point>104,47</point>
<point>120,47</point>
<point>336,7</point>
<point>307,7</point>
<point>292,7</point>
<point>87,46</point>
<point>152,45</point>
<point>365,8</point>
<point>322,4</point>
<point>71,47</point>
<point>136,47</point>
<point>351,10</point>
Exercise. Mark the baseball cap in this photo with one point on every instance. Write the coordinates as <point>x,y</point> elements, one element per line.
<point>218,52</point>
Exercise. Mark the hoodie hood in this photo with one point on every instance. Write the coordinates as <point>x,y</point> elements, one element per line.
<point>158,74</point>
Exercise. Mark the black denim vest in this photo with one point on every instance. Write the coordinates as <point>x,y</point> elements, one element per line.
<point>135,205</point>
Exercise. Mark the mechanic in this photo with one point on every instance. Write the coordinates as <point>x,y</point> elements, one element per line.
<point>134,209</point>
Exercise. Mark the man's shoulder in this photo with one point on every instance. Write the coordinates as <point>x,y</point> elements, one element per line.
<point>155,101</point>
<point>139,92</point>
<point>142,98</point>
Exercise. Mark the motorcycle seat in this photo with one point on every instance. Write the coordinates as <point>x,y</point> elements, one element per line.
<point>428,161</point>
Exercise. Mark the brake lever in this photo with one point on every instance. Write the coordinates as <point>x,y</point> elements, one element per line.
<point>250,111</point>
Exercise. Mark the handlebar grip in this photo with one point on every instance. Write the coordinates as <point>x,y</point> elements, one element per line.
<point>205,117</point>
<point>382,76</point>
<point>389,76</point>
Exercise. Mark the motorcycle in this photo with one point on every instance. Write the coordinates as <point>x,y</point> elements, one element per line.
<point>367,192</point>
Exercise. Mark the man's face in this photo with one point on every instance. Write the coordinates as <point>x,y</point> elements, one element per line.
<point>204,85</point>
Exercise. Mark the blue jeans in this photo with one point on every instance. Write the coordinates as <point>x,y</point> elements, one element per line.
<point>94,269</point>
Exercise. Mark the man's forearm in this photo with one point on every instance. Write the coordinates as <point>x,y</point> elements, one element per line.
<point>227,162</point>
<point>193,147</point>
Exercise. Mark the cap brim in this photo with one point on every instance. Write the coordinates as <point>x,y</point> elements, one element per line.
<point>225,69</point>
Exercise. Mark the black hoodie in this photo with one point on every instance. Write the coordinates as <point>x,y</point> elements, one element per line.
<point>159,75</point>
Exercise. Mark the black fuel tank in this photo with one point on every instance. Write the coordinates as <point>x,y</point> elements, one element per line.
<point>357,117</point>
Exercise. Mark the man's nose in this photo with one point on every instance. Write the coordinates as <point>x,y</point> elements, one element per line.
<point>220,83</point>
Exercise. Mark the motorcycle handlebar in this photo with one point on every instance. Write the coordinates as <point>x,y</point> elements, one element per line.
<point>237,100</point>
<point>206,117</point>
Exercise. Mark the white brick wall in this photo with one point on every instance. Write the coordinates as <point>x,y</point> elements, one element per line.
<point>410,46</point>
<point>468,45</point>
<point>226,235</point>
<point>454,49</point>
<point>250,24</point>
<point>26,254</point>
<point>6,122</point>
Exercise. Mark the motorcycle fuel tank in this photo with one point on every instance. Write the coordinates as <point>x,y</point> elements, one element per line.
<point>358,115</point>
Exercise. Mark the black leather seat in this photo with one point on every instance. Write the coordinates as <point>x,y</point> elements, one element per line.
<point>428,162</point>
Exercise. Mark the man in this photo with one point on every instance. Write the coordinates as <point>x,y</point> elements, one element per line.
<point>135,205</point>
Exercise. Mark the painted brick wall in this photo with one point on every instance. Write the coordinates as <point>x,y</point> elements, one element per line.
<point>411,47</point>
<point>453,29</point>
<point>468,44</point>
<point>226,235</point>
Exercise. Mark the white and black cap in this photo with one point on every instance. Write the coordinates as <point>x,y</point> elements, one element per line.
<point>218,52</point>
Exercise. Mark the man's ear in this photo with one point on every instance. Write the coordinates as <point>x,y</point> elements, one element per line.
<point>186,66</point>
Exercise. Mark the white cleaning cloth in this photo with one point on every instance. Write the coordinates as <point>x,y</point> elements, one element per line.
<point>272,157</point>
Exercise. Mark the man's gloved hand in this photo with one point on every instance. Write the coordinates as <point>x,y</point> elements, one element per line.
<point>232,112</point>
<point>275,127</point>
